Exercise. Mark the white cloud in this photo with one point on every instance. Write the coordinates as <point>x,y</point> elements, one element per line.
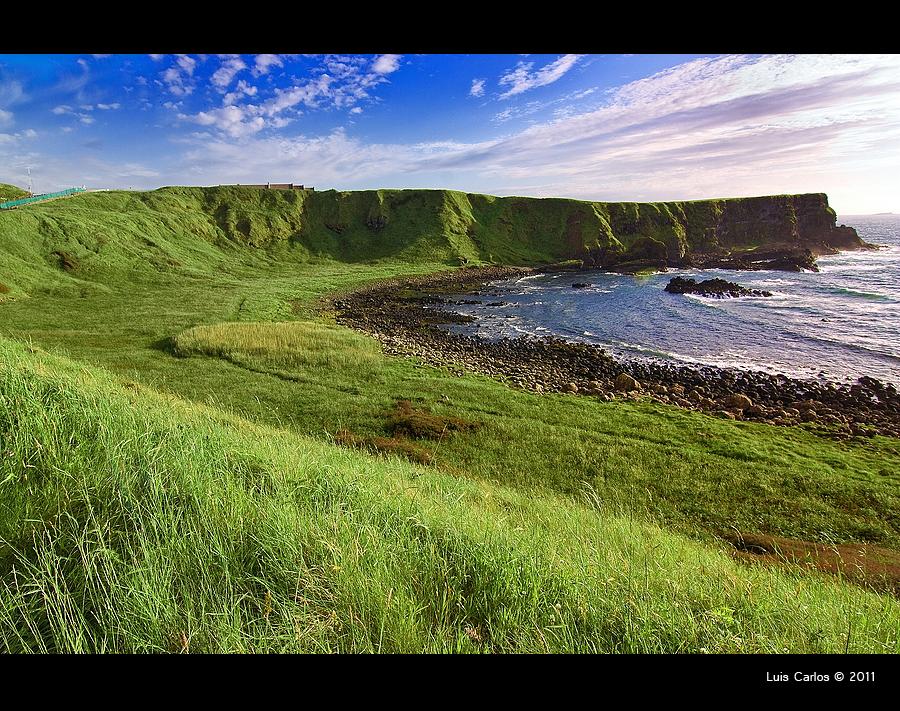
<point>386,64</point>
<point>280,122</point>
<point>177,80</point>
<point>12,138</point>
<point>264,62</point>
<point>61,109</point>
<point>340,82</point>
<point>477,88</point>
<point>109,107</point>
<point>307,94</point>
<point>356,110</point>
<point>87,120</point>
<point>6,117</point>
<point>235,121</point>
<point>707,128</point>
<point>186,64</point>
<point>241,90</point>
<point>227,70</point>
<point>522,79</point>
<point>156,57</point>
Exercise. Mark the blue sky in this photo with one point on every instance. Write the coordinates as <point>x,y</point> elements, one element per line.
<point>603,127</point>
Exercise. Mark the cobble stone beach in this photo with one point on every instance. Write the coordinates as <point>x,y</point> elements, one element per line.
<point>397,313</point>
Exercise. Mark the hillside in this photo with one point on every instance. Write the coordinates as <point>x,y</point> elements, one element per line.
<point>196,458</point>
<point>81,242</point>
<point>11,192</point>
<point>144,524</point>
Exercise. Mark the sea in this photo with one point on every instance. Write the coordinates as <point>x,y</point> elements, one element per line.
<point>837,324</point>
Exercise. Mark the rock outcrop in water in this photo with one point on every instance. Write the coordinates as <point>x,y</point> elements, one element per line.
<point>713,288</point>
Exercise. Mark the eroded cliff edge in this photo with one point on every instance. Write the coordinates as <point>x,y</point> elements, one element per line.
<point>783,231</point>
<point>79,244</point>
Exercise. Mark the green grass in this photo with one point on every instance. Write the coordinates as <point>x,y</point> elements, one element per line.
<point>132,521</point>
<point>11,192</point>
<point>170,473</point>
<point>290,344</point>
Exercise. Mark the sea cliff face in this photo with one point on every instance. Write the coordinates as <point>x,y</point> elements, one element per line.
<point>784,231</point>
<point>471,228</point>
<point>75,243</point>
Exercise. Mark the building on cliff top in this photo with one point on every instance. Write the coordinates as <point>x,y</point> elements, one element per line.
<point>274,186</point>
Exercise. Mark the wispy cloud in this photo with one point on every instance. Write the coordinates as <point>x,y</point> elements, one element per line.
<point>186,64</point>
<point>11,92</point>
<point>477,88</point>
<point>565,105</point>
<point>74,83</point>
<point>522,79</point>
<point>706,128</point>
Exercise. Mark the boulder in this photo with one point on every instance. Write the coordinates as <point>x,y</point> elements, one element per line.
<point>737,401</point>
<point>625,383</point>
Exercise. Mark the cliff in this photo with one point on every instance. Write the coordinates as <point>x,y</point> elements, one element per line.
<point>76,244</point>
<point>452,226</point>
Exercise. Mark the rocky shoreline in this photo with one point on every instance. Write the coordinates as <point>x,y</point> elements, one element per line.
<point>396,313</point>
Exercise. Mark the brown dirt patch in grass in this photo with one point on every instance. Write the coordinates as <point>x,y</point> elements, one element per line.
<point>67,261</point>
<point>865,564</point>
<point>408,421</point>
<point>384,445</point>
<point>4,289</point>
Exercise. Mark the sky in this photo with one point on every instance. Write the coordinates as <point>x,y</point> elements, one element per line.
<point>592,127</point>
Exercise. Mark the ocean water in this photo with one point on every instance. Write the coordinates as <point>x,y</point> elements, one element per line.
<point>838,324</point>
